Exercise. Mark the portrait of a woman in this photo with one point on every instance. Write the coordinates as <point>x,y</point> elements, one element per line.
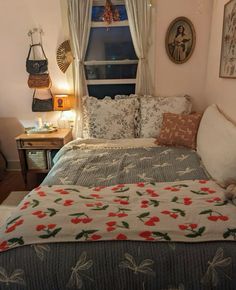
<point>180,44</point>
<point>180,40</point>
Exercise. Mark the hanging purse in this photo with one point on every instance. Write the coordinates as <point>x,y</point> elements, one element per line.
<point>40,105</point>
<point>40,81</point>
<point>36,66</point>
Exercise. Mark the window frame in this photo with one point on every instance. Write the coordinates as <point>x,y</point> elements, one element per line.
<point>101,24</point>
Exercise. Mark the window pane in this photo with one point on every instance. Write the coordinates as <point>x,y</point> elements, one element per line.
<point>124,71</point>
<point>112,44</point>
<point>100,91</point>
<point>97,12</point>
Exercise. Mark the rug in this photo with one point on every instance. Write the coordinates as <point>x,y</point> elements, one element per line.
<point>10,203</point>
<point>14,198</point>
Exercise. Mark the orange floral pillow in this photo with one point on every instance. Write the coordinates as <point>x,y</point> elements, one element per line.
<point>179,130</point>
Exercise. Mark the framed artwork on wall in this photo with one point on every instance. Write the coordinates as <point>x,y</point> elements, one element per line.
<point>228,46</point>
<point>180,40</point>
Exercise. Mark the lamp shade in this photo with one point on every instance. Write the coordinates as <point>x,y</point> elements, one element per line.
<point>61,103</point>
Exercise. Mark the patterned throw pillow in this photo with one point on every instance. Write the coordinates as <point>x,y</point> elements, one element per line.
<point>107,118</point>
<point>179,130</point>
<point>137,112</point>
<point>153,108</point>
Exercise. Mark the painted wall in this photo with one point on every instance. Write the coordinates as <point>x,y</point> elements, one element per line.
<point>219,90</point>
<point>188,78</point>
<point>17,17</point>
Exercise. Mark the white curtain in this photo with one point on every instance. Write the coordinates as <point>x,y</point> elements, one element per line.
<point>139,16</point>
<point>79,17</point>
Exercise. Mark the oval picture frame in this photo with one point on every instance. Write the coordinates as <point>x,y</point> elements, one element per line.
<point>180,40</point>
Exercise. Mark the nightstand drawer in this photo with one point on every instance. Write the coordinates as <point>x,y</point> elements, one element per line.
<point>42,144</point>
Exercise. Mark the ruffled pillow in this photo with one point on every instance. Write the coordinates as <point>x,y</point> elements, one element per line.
<point>153,108</point>
<point>108,118</point>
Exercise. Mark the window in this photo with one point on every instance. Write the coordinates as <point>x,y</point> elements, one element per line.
<point>110,62</point>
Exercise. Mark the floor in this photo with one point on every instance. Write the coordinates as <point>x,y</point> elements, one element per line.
<point>13,181</point>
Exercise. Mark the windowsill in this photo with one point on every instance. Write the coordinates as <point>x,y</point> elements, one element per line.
<point>113,62</point>
<point>111,81</point>
<point>113,24</point>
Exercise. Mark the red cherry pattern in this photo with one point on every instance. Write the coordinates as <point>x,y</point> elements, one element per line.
<point>95,237</point>
<point>118,212</point>
<point>215,218</point>
<point>41,193</point>
<point>207,189</point>
<point>215,200</point>
<point>4,246</point>
<point>203,181</point>
<point>12,226</point>
<point>171,188</point>
<point>149,220</point>
<point>174,213</point>
<point>95,205</point>
<point>184,201</point>
<point>85,220</point>
<point>62,191</point>
<point>121,237</point>
<point>140,184</point>
<point>123,201</point>
<point>113,225</point>
<point>98,188</point>
<point>42,227</point>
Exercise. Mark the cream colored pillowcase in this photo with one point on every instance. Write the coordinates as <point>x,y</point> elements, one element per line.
<point>216,145</point>
<point>108,118</point>
<point>153,108</point>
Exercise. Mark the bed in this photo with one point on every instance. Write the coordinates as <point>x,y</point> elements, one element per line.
<point>121,214</point>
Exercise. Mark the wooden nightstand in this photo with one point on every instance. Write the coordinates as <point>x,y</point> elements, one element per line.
<point>36,150</point>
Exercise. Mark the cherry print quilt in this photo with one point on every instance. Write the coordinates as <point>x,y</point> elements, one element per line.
<point>186,211</point>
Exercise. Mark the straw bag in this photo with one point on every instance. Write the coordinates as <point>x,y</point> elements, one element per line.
<point>40,81</point>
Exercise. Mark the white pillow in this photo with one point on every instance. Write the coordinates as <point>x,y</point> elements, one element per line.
<point>216,145</point>
<point>107,118</point>
<point>152,109</point>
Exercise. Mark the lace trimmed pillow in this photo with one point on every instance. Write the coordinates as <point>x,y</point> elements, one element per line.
<point>153,108</point>
<point>179,130</point>
<point>108,118</point>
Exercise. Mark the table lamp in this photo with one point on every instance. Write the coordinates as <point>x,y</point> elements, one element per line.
<point>62,103</point>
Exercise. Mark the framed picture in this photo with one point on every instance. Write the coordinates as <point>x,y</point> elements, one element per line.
<point>228,46</point>
<point>180,40</point>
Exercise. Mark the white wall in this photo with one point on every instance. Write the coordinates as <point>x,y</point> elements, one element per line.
<point>219,90</point>
<point>16,19</point>
<point>188,78</point>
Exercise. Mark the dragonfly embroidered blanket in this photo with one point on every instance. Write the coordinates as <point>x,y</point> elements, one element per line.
<point>186,211</point>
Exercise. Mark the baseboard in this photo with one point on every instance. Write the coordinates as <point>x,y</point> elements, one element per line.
<point>13,165</point>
